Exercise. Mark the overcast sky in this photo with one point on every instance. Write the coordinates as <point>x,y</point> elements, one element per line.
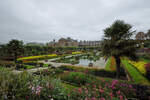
<point>44,20</point>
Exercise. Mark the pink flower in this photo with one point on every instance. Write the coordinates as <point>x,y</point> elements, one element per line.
<point>102,99</point>
<point>80,90</point>
<point>103,80</point>
<point>118,92</point>
<point>130,86</point>
<point>121,97</point>
<point>94,86</point>
<point>86,98</point>
<point>111,95</point>
<point>68,95</point>
<point>93,98</point>
<point>86,91</point>
<point>101,90</point>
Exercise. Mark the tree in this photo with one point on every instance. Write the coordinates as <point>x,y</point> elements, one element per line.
<point>118,43</point>
<point>15,48</point>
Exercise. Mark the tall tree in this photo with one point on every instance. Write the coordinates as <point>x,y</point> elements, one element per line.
<point>15,48</point>
<point>118,43</point>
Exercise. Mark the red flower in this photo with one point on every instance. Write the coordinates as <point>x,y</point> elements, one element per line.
<point>80,90</point>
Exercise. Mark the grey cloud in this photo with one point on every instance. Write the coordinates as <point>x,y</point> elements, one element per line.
<point>43,20</point>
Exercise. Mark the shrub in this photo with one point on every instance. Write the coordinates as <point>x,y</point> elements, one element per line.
<point>14,86</point>
<point>112,90</point>
<point>49,71</point>
<point>92,71</point>
<point>27,87</point>
<point>76,77</point>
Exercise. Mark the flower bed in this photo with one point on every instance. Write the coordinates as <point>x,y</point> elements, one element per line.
<point>134,73</point>
<point>78,52</point>
<point>30,58</point>
<point>111,64</point>
<point>140,65</point>
<point>25,86</point>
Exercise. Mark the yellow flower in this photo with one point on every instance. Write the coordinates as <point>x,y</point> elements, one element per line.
<point>140,65</point>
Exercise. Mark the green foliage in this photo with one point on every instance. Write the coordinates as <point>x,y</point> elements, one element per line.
<point>92,71</point>
<point>14,86</point>
<point>77,78</point>
<point>118,42</point>
<point>15,48</point>
<point>49,72</point>
<point>25,86</point>
<point>28,66</point>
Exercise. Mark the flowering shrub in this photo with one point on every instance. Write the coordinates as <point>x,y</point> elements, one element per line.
<point>49,71</point>
<point>105,91</point>
<point>140,65</point>
<point>76,77</point>
<point>26,87</point>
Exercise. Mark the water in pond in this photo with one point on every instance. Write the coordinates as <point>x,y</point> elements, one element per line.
<point>84,62</point>
<point>99,63</point>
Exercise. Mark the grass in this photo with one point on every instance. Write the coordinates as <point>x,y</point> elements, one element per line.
<point>134,73</point>
<point>29,66</point>
<point>1,68</point>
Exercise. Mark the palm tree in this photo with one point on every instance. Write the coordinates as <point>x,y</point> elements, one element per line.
<point>118,43</point>
<point>15,48</point>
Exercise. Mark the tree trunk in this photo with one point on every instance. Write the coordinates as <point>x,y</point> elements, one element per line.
<point>118,66</point>
<point>15,57</point>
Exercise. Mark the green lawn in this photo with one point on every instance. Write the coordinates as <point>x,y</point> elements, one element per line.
<point>134,73</point>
